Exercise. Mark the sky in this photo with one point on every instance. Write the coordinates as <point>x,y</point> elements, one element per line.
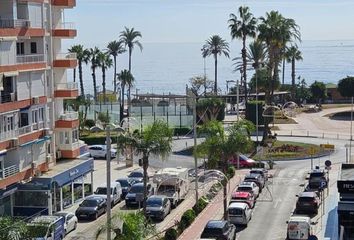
<point>176,21</point>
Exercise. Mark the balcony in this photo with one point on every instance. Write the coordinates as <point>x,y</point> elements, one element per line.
<point>20,27</point>
<point>14,23</point>
<point>66,90</point>
<point>64,30</point>
<point>68,120</point>
<point>24,63</point>
<point>64,3</point>
<point>7,97</point>
<point>30,128</point>
<point>65,60</point>
<point>30,58</point>
<point>4,136</point>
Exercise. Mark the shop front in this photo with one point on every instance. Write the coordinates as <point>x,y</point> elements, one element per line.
<point>58,189</point>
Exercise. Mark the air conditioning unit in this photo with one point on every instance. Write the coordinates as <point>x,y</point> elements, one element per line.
<point>14,143</point>
<point>58,154</point>
<point>35,100</point>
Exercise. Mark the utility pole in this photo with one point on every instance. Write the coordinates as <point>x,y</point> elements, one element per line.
<point>195,146</point>
<point>237,99</point>
<point>108,165</point>
<point>351,133</point>
<point>257,106</point>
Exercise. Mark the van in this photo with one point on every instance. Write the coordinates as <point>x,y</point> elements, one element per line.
<point>46,228</point>
<point>239,213</point>
<point>299,227</point>
<point>116,192</point>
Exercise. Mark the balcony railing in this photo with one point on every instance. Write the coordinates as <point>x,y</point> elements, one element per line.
<point>31,128</point>
<point>65,25</point>
<point>8,135</point>
<point>7,97</point>
<point>67,86</point>
<point>14,23</point>
<point>69,116</point>
<point>9,171</point>
<point>31,58</point>
<point>65,56</point>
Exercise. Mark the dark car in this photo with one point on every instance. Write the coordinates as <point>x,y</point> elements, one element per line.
<point>158,206</point>
<point>136,176</point>
<point>91,208</point>
<point>126,184</point>
<point>308,202</point>
<point>220,230</point>
<point>318,179</point>
<point>135,194</point>
<point>256,178</point>
<point>262,171</point>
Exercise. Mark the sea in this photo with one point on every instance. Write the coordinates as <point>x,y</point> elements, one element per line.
<point>164,68</point>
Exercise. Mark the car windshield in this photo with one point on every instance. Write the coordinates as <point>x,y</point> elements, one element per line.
<point>235,211</point>
<point>136,174</point>
<point>123,183</point>
<point>244,189</point>
<point>154,202</point>
<point>212,233</point>
<point>60,214</point>
<point>137,189</point>
<point>239,198</point>
<point>305,199</point>
<point>102,191</point>
<point>89,203</point>
<point>316,174</point>
<point>243,157</point>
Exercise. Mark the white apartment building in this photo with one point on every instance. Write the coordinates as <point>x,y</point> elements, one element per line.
<point>35,130</point>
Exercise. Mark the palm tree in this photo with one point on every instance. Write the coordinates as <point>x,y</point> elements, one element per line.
<point>242,27</point>
<point>105,62</point>
<point>155,139</point>
<point>126,79</point>
<point>215,46</point>
<point>129,38</point>
<point>80,55</point>
<point>292,55</point>
<point>115,48</point>
<point>91,57</point>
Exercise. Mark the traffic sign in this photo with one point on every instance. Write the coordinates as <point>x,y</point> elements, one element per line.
<point>328,163</point>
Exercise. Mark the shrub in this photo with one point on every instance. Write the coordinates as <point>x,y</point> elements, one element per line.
<point>200,205</point>
<point>171,234</point>
<point>230,172</point>
<point>186,220</point>
<point>90,123</point>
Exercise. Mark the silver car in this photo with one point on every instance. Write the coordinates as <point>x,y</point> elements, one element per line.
<point>158,207</point>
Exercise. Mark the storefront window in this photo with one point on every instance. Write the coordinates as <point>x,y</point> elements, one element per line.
<point>67,198</point>
<point>31,199</point>
<point>5,206</point>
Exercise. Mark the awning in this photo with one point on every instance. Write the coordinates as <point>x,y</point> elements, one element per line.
<point>4,39</point>
<point>28,143</point>
<point>11,74</point>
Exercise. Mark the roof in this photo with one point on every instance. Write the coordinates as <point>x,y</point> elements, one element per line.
<point>215,224</point>
<point>94,197</point>
<point>307,194</point>
<point>45,219</point>
<point>238,205</point>
<point>157,196</point>
<point>299,218</point>
<point>241,194</point>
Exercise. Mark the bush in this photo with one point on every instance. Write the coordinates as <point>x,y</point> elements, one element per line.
<point>186,220</point>
<point>90,123</point>
<point>200,205</point>
<point>171,234</point>
<point>230,172</point>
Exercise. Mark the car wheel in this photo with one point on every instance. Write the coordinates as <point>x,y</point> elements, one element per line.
<point>75,226</point>
<point>96,216</point>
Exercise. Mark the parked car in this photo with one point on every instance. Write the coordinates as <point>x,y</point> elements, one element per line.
<point>136,176</point>
<point>91,208</point>
<point>45,227</point>
<point>249,187</point>
<point>245,162</point>
<point>245,197</point>
<point>239,213</point>
<point>116,192</point>
<point>158,206</point>
<point>318,179</point>
<point>100,151</point>
<point>220,230</point>
<point>70,219</point>
<point>262,171</point>
<point>126,184</point>
<point>299,227</point>
<point>135,195</point>
<point>256,178</point>
<point>307,202</point>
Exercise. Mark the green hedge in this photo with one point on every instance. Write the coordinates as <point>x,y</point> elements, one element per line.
<point>200,205</point>
<point>171,234</point>
<point>97,140</point>
<point>251,112</point>
<point>186,220</point>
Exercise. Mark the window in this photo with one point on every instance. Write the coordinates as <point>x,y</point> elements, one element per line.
<point>64,138</point>
<point>8,123</point>
<point>75,135</point>
<point>33,47</point>
<point>20,48</point>
<point>24,119</point>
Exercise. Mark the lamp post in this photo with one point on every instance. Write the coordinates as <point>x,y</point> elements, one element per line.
<point>256,106</point>
<point>351,132</point>
<point>238,99</point>
<point>108,165</point>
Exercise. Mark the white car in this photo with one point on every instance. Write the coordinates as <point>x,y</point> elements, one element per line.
<point>249,187</point>
<point>70,221</point>
<point>100,151</point>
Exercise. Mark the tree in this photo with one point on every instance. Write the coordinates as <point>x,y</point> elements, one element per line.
<point>263,81</point>
<point>126,79</point>
<point>155,139</point>
<point>215,46</point>
<point>302,91</point>
<point>223,145</point>
<point>346,87</point>
<point>105,62</point>
<point>81,56</point>
<point>209,109</point>
<point>129,38</point>
<point>91,56</point>
<point>115,48</point>
<point>318,91</point>
<point>241,27</point>
<point>199,82</point>
<point>292,55</point>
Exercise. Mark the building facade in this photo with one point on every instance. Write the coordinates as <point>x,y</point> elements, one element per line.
<point>35,130</point>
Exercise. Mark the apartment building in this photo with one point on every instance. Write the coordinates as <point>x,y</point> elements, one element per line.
<point>35,130</point>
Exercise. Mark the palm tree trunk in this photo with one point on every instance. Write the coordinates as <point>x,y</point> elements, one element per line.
<point>115,74</point>
<point>122,103</point>
<point>216,74</point>
<point>81,80</point>
<point>282,82</point>
<point>129,86</point>
<point>74,74</point>
<point>244,59</point>
<point>104,84</point>
<point>293,79</point>
<point>94,84</point>
<point>225,189</point>
<point>145,167</point>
